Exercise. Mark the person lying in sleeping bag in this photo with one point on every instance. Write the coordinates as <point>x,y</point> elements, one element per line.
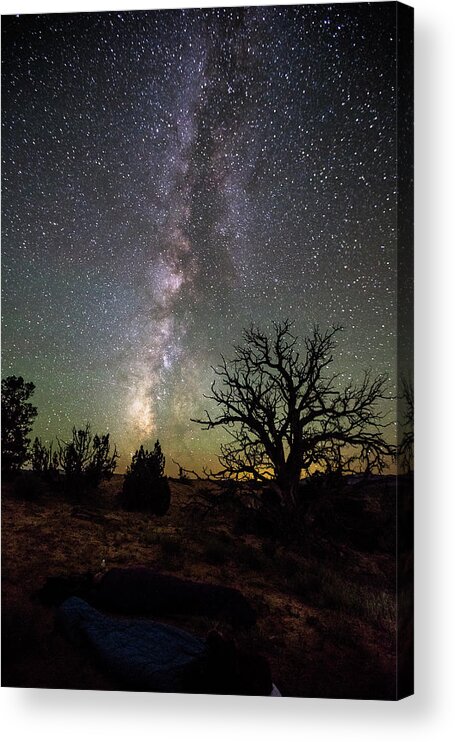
<point>144,655</point>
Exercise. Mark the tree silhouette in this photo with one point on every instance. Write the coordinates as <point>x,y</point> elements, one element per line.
<point>145,487</point>
<point>44,460</point>
<point>86,459</point>
<point>286,413</point>
<point>406,444</point>
<point>18,415</point>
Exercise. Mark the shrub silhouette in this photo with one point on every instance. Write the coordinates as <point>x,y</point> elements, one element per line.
<point>44,460</point>
<point>86,459</point>
<point>28,486</point>
<point>145,487</point>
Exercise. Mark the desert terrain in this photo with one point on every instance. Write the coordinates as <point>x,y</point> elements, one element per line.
<point>326,605</point>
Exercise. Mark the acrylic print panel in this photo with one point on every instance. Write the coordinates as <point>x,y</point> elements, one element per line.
<point>207,447</point>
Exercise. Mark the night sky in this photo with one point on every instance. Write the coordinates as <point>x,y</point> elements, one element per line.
<point>171,176</point>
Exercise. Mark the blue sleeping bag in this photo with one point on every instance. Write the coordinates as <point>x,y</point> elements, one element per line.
<point>144,655</point>
<point>141,654</point>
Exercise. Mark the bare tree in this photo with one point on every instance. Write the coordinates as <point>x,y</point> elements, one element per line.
<point>406,444</point>
<point>286,413</point>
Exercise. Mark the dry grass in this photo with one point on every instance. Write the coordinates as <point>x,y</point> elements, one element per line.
<point>327,625</point>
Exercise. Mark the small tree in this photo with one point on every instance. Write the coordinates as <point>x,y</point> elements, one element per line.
<point>86,459</point>
<point>286,413</point>
<point>18,415</point>
<point>145,487</point>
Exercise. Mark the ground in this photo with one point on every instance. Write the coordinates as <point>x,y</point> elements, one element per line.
<point>326,608</point>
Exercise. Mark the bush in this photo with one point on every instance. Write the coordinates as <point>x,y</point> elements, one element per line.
<point>145,488</point>
<point>217,551</point>
<point>86,459</point>
<point>251,558</point>
<point>220,548</point>
<point>44,460</point>
<point>28,486</point>
<point>257,522</point>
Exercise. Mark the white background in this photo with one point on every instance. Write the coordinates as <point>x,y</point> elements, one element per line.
<point>37,715</point>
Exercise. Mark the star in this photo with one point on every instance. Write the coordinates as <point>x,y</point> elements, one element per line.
<point>169,177</point>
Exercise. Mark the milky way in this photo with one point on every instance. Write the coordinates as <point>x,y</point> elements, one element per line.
<point>171,176</point>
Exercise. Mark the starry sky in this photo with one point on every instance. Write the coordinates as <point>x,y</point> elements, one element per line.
<point>171,176</point>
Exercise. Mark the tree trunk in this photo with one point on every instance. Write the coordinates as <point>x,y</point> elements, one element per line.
<point>287,487</point>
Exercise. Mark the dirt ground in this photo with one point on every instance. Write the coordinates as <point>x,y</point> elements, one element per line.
<point>326,613</point>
